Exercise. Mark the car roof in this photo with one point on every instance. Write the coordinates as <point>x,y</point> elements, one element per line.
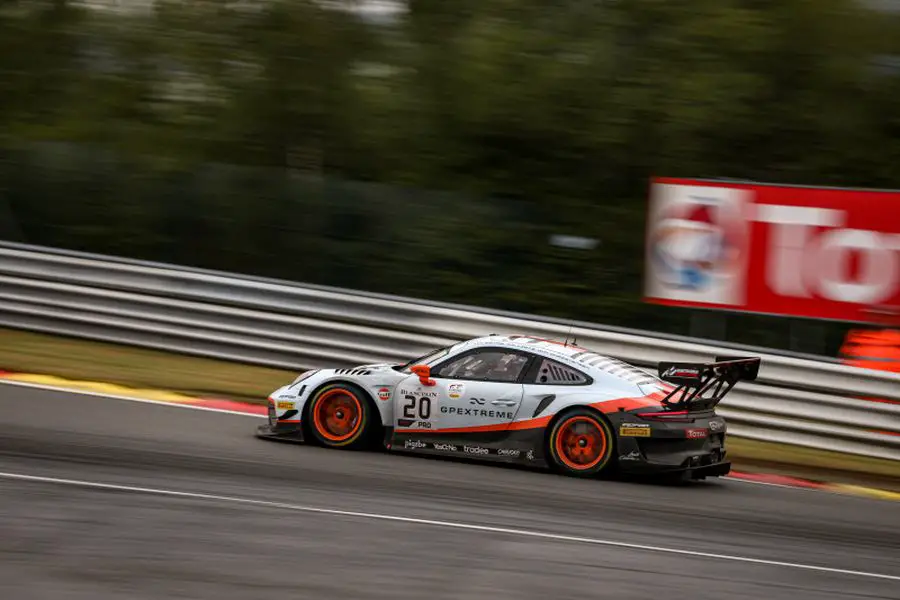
<point>578,356</point>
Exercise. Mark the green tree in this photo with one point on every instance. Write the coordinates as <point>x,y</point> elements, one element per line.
<point>237,135</point>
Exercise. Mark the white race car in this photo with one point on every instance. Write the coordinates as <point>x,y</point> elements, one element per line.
<point>520,399</point>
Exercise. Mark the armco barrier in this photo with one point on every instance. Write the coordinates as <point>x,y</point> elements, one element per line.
<point>796,400</point>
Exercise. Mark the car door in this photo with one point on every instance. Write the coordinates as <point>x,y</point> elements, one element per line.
<point>479,390</point>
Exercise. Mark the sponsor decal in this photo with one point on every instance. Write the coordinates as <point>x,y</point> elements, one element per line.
<point>695,434</point>
<point>511,453</point>
<point>445,447</point>
<point>530,455</point>
<point>697,243</point>
<point>285,405</point>
<point>417,393</point>
<point>716,425</point>
<point>785,250</point>
<point>478,401</point>
<point>684,373</point>
<point>414,444</point>
<point>633,455</point>
<point>476,412</point>
<point>475,450</point>
<point>456,390</point>
<point>384,394</point>
<point>418,410</point>
<point>634,430</point>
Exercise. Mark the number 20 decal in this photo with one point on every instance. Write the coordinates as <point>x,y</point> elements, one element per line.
<point>417,408</point>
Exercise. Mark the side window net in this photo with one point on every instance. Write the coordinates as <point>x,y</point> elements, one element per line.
<point>485,366</point>
<point>552,372</point>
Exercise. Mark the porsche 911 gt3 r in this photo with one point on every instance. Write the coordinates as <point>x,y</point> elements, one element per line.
<point>521,399</point>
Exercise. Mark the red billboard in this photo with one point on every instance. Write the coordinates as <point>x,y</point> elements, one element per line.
<point>822,253</point>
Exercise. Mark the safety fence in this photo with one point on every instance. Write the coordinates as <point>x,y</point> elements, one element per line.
<point>796,400</point>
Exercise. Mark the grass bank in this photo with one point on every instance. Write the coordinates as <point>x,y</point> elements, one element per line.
<point>136,367</point>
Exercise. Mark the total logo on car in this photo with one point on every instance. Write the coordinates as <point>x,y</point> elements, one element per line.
<point>695,434</point>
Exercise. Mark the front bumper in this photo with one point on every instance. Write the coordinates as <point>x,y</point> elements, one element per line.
<point>276,429</point>
<point>292,433</point>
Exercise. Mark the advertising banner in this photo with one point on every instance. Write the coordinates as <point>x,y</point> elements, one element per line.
<point>822,253</point>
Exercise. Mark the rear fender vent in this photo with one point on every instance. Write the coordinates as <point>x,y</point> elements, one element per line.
<point>551,372</point>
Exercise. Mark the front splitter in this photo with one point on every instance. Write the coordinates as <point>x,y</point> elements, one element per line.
<point>281,433</point>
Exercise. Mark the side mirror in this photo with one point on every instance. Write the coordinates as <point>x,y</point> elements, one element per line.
<point>424,373</point>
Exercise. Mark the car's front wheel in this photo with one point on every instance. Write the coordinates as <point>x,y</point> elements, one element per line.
<point>581,444</point>
<point>340,416</point>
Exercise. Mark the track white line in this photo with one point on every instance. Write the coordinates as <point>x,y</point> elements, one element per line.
<point>65,390</point>
<point>436,523</point>
<point>778,485</point>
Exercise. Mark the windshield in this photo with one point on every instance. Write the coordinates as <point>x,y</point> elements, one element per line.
<point>432,356</point>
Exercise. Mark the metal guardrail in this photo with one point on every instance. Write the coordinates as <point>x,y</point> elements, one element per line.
<point>796,400</point>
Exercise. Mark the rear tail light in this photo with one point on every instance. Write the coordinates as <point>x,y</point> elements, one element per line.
<point>671,416</point>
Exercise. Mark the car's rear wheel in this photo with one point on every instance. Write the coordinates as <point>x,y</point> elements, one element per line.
<point>580,444</point>
<point>340,416</point>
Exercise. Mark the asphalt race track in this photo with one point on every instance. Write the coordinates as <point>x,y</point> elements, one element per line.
<point>221,514</point>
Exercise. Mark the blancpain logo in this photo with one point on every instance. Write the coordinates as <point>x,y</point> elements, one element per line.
<point>413,444</point>
<point>475,450</point>
<point>445,447</point>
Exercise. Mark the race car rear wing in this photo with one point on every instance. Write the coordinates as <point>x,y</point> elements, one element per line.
<point>701,386</point>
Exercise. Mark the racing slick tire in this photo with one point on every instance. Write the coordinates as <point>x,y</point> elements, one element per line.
<point>580,444</point>
<point>340,415</point>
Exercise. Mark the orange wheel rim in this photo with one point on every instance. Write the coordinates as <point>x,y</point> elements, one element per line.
<point>581,443</point>
<point>337,415</point>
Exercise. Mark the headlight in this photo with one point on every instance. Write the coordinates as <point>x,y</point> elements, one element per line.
<point>303,376</point>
